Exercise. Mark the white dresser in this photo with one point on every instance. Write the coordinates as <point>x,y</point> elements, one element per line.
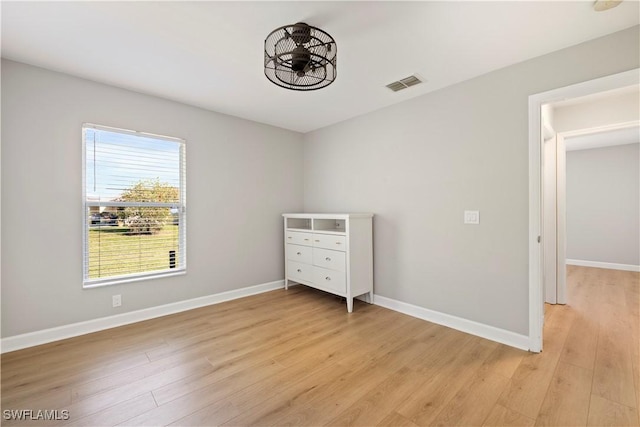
<point>330,252</point>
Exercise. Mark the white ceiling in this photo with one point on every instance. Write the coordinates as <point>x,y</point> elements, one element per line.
<point>210,54</point>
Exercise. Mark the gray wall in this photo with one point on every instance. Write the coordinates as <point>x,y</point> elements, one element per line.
<point>419,164</point>
<point>603,204</point>
<point>241,176</point>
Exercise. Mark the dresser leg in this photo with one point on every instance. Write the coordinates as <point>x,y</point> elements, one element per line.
<point>286,284</point>
<point>350,304</point>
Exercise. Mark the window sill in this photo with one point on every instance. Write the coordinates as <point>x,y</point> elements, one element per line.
<point>129,279</point>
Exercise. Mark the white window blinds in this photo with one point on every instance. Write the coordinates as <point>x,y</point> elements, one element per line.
<point>134,199</point>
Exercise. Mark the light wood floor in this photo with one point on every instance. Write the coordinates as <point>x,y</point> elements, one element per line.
<point>297,358</point>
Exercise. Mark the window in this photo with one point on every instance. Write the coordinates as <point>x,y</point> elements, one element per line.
<point>134,205</point>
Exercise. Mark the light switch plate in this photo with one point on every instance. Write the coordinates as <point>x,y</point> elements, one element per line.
<point>472,217</point>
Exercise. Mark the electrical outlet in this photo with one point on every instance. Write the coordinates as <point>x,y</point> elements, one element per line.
<point>472,217</point>
<point>116,300</point>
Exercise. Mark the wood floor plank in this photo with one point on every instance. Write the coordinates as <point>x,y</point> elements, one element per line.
<point>211,415</point>
<point>567,400</point>
<point>445,381</point>
<point>473,403</point>
<point>504,360</point>
<point>55,351</point>
<point>270,400</point>
<point>54,397</point>
<point>603,412</point>
<point>116,413</point>
<point>331,351</point>
<point>631,286</point>
<point>556,329</point>
<point>373,408</point>
<point>392,355</point>
<point>239,334</point>
<point>394,419</point>
<point>636,376</point>
<point>320,405</point>
<point>529,384</point>
<point>191,384</point>
<point>189,403</point>
<point>581,343</point>
<point>528,387</point>
<point>47,401</point>
<point>98,402</point>
<point>359,374</point>
<point>501,416</point>
<point>66,372</point>
<point>399,327</point>
<point>301,405</point>
<point>266,396</point>
<point>292,387</point>
<point>84,389</point>
<point>613,373</point>
<point>439,355</point>
<point>317,343</point>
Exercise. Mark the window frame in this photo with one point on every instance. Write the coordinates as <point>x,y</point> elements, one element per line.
<point>181,206</point>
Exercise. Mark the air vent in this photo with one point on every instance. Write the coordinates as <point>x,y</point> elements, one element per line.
<point>396,86</point>
<point>404,83</point>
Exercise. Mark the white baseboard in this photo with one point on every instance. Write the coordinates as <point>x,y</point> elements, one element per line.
<point>607,265</point>
<point>481,330</point>
<point>31,339</point>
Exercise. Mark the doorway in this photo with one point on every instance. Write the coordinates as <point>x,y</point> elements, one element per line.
<point>537,131</point>
<point>554,182</point>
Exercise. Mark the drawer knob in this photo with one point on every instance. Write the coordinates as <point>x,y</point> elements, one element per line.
<point>338,243</point>
<point>328,259</point>
<point>306,240</point>
<point>317,240</point>
<point>289,237</point>
<point>327,278</point>
<point>299,271</point>
<point>298,253</point>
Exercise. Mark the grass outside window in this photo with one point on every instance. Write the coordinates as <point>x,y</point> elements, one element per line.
<point>115,252</point>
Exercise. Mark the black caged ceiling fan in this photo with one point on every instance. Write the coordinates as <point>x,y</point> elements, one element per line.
<point>300,57</point>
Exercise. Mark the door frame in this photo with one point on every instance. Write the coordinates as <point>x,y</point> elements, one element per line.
<point>561,218</point>
<point>536,101</point>
<point>550,235</point>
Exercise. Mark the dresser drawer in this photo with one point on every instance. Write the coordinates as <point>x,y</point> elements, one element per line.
<point>330,241</point>
<point>333,260</point>
<point>298,270</point>
<point>299,253</point>
<point>332,280</point>
<point>299,238</point>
